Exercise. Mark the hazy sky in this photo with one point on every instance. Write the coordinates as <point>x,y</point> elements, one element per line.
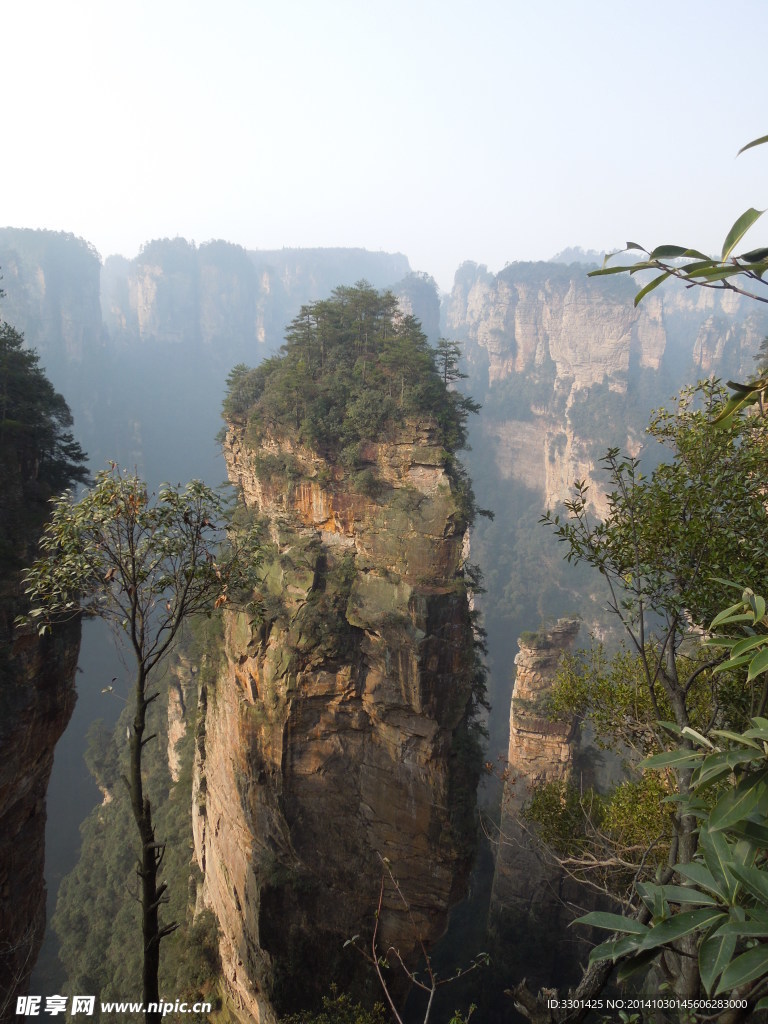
<point>489,130</point>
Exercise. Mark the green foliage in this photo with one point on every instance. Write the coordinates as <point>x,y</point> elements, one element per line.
<point>353,370</point>
<point>143,565</point>
<point>720,897</point>
<point>699,514</point>
<point>321,627</point>
<point>695,268</point>
<point>520,396</point>
<point>338,1008</point>
<point>146,567</point>
<point>561,813</point>
<point>664,549</point>
<point>38,453</point>
<point>276,465</point>
<point>611,695</point>
<point>533,639</point>
<point>762,357</point>
<point>608,841</point>
<point>96,915</point>
<point>101,755</point>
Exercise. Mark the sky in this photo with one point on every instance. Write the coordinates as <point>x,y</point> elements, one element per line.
<point>483,130</point>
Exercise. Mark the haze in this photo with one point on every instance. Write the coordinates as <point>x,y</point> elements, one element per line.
<point>489,130</point>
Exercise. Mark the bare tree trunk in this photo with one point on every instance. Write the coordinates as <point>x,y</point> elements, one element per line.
<point>150,860</point>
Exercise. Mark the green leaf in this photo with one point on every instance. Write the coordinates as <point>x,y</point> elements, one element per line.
<point>723,642</point>
<point>758,664</point>
<point>679,758</point>
<point>612,922</point>
<point>759,730</point>
<point>697,736</point>
<point>751,145</point>
<point>745,968</point>
<point>731,618</point>
<point>669,252</point>
<point>717,856</point>
<point>715,953</point>
<point>649,287</point>
<point>653,898</point>
<point>723,615</point>
<point>614,949</point>
<point>753,879</point>
<point>744,929</point>
<point>717,272</point>
<point>726,666</point>
<point>604,271</point>
<point>752,832</point>
<point>734,757</point>
<point>672,727</point>
<point>684,894</point>
<point>748,643</point>
<point>754,255</point>
<point>739,229</point>
<point>711,774</point>
<point>635,964</point>
<point>681,924</point>
<point>748,800</point>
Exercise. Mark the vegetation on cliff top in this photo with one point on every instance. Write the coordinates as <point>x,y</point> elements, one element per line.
<point>353,369</point>
<point>38,453</point>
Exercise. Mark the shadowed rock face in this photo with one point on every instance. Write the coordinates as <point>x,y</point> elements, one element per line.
<point>37,697</point>
<point>540,751</point>
<point>337,731</point>
<point>529,894</point>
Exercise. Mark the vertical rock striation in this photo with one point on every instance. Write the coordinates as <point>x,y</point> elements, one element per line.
<point>339,731</point>
<point>566,365</point>
<point>37,697</point>
<point>529,895</point>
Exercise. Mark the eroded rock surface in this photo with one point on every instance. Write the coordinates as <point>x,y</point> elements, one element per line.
<point>338,731</point>
<point>37,697</point>
<point>566,365</point>
<point>530,894</point>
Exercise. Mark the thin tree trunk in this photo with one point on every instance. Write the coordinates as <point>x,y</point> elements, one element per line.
<point>151,856</point>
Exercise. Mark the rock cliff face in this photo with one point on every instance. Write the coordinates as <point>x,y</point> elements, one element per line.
<point>222,300</point>
<point>338,731</point>
<point>566,365</point>
<point>141,348</point>
<point>51,281</point>
<point>37,696</point>
<point>529,894</point>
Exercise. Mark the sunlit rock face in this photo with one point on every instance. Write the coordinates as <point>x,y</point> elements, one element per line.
<point>530,893</point>
<point>336,733</point>
<point>566,365</point>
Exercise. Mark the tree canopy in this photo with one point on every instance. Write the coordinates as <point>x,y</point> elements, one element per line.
<point>146,565</point>
<point>39,455</point>
<point>352,369</point>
